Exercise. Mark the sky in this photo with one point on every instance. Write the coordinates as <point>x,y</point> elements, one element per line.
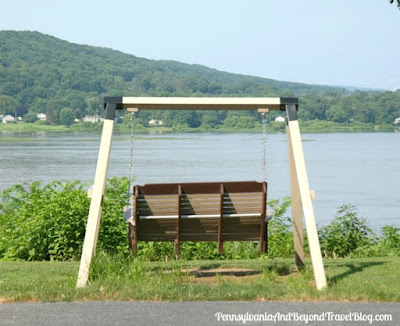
<point>340,42</point>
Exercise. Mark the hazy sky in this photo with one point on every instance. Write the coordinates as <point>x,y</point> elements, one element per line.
<point>335,42</point>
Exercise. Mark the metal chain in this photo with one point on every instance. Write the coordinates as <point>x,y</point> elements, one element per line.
<point>130,190</point>
<point>264,140</point>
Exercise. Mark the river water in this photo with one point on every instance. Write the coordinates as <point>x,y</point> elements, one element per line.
<point>362,169</point>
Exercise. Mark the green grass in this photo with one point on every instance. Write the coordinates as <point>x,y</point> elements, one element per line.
<point>31,127</point>
<point>124,278</point>
<point>311,126</point>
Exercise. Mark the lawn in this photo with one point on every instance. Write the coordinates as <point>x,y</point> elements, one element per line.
<point>113,278</point>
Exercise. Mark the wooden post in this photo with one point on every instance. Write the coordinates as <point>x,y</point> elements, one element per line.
<point>93,223</point>
<point>304,190</point>
<point>296,209</point>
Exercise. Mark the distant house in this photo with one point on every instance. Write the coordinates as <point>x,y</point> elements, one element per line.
<point>397,121</point>
<point>280,119</point>
<point>41,117</point>
<point>92,118</point>
<point>154,122</point>
<point>8,119</point>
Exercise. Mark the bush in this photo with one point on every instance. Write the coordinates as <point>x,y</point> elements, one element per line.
<point>386,128</point>
<point>48,223</point>
<point>389,242</point>
<point>42,223</point>
<point>67,116</point>
<point>30,117</point>
<point>280,230</point>
<point>346,234</point>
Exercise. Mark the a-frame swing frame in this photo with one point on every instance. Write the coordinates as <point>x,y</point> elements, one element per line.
<point>300,191</point>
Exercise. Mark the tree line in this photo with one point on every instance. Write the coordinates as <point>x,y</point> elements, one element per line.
<point>42,74</point>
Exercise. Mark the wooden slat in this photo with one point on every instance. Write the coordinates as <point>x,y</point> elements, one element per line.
<point>200,203</point>
<point>156,212</point>
<point>200,216</point>
<point>157,203</point>
<point>242,227</point>
<point>158,197</point>
<point>158,224</point>
<point>240,210</point>
<point>200,207</point>
<point>199,212</point>
<point>200,197</point>
<point>243,195</point>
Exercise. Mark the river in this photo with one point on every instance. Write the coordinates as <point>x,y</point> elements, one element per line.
<point>358,168</point>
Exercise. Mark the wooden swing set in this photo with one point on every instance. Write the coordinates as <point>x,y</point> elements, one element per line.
<point>210,211</point>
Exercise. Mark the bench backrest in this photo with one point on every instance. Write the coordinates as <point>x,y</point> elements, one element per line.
<point>200,211</point>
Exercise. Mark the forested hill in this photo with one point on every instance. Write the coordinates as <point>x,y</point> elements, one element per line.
<point>40,73</point>
<point>34,66</point>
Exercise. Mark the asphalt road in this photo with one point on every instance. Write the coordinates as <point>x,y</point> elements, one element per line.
<point>122,313</point>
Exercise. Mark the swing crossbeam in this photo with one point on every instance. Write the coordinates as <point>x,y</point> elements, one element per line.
<point>204,211</point>
<point>260,104</point>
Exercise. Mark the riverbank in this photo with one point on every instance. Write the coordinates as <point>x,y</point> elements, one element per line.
<point>313,126</point>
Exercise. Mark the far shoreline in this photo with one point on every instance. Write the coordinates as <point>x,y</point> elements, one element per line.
<point>313,126</point>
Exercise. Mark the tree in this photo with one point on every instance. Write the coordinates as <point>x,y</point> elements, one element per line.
<point>398,3</point>
<point>209,119</point>
<point>30,117</point>
<point>7,105</point>
<point>50,117</point>
<point>21,110</point>
<point>67,116</point>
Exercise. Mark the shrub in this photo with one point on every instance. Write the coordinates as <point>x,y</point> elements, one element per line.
<point>346,234</point>
<point>280,230</point>
<point>389,242</point>
<point>48,222</point>
<point>30,117</point>
<point>42,223</point>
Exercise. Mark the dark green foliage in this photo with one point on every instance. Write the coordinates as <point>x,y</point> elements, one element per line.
<point>347,234</point>
<point>45,75</point>
<point>48,223</point>
<point>8,105</point>
<point>42,223</point>
<point>240,120</point>
<point>389,242</point>
<point>280,230</point>
<point>67,116</point>
<point>30,117</point>
<point>113,229</point>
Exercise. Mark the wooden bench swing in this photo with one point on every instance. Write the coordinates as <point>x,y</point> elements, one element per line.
<point>206,211</point>
<point>216,211</point>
